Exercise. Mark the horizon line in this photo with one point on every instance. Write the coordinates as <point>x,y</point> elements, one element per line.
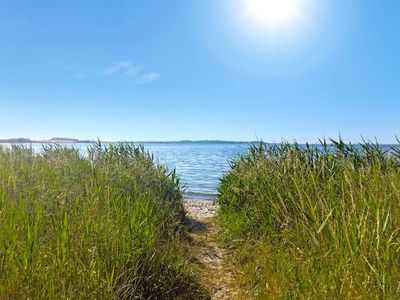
<point>62,140</point>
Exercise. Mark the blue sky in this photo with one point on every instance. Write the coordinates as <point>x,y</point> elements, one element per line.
<point>182,69</point>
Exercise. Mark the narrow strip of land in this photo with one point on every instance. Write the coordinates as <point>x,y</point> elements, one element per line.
<point>212,259</point>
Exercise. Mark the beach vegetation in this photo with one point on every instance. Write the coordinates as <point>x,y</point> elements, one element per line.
<point>309,221</point>
<point>106,224</point>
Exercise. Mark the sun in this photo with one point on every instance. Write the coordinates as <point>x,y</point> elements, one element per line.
<point>273,13</point>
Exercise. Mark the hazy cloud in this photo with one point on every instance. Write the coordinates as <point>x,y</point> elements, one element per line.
<point>132,73</point>
<point>125,70</point>
<point>77,70</point>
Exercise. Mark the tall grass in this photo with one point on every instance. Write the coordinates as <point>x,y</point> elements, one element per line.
<point>105,225</point>
<point>315,221</point>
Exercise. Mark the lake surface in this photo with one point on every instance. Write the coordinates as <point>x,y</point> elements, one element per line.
<point>198,164</point>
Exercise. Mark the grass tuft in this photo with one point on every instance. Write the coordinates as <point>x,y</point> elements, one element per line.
<point>105,225</point>
<point>315,221</point>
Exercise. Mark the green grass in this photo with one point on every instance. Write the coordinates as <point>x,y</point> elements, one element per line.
<point>314,222</point>
<point>106,225</point>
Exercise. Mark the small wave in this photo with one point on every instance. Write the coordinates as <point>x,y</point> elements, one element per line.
<point>199,196</point>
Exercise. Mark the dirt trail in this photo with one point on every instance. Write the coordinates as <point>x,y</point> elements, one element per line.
<point>212,259</point>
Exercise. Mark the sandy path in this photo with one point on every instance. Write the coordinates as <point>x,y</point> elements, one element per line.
<point>211,259</point>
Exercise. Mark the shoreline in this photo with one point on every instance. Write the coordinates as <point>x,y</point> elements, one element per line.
<point>198,196</point>
<point>200,209</point>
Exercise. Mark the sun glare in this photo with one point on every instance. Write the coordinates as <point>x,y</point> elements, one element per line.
<point>273,13</point>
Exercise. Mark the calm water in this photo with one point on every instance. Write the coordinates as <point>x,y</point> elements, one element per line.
<point>199,165</point>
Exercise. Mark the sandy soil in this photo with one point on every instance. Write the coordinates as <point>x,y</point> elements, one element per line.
<point>212,259</point>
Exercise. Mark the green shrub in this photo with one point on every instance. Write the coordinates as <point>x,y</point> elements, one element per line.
<point>315,221</point>
<point>104,225</point>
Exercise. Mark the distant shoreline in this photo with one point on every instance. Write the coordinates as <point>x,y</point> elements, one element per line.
<point>77,141</point>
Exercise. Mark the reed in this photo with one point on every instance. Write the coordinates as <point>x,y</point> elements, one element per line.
<point>314,221</point>
<point>104,225</point>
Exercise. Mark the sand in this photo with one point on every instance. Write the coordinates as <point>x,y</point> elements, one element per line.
<point>212,259</point>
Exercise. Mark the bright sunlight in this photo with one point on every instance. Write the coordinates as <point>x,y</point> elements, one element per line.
<point>273,13</point>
